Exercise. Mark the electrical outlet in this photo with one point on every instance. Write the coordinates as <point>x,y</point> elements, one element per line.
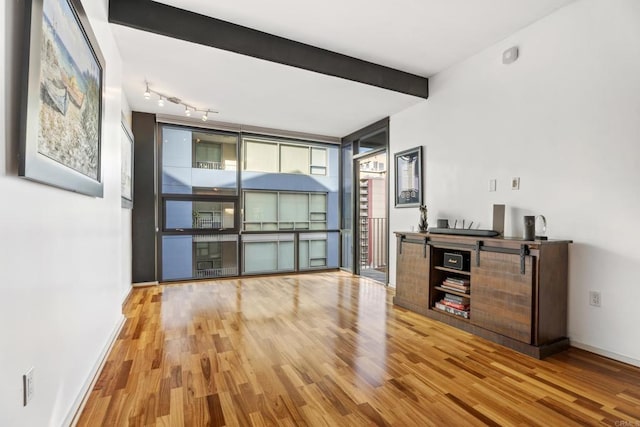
<point>594,298</point>
<point>515,183</point>
<point>27,386</point>
<point>492,185</point>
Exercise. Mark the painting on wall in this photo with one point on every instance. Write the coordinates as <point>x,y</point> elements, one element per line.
<point>126,166</point>
<point>61,113</point>
<point>408,170</point>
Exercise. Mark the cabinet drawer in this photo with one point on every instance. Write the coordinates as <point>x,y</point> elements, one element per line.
<point>502,295</point>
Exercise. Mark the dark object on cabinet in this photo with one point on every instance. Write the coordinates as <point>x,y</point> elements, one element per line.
<point>464,232</point>
<point>517,289</point>
<point>457,260</point>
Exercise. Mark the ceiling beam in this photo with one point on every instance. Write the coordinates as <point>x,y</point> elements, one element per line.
<point>158,18</point>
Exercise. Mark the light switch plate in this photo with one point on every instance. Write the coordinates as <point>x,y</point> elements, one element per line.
<point>515,183</point>
<point>492,185</point>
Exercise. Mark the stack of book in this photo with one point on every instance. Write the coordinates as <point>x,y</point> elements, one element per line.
<point>457,284</point>
<point>454,304</point>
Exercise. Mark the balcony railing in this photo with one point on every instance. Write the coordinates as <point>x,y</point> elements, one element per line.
<point>373,242</point>
<point>216,272</point>
<point>210,165</point>
<point>206,223</point>
<point>227,165</point>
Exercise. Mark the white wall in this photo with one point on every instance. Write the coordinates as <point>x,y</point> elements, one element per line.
<point>565,118</point>
<point>64,257</point>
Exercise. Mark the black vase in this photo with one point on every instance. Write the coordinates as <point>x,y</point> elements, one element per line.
<point>529,227</point>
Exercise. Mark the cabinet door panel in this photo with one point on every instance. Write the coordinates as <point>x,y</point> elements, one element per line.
<point>412,275</point>
<point>501,296</point>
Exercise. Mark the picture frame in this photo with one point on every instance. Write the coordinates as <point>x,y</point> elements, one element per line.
<point>126,166</point>
<point>408,178</point>
<point>62,109</point>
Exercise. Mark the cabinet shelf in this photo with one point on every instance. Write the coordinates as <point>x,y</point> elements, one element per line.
<point>453,270</point>
<point>446,313</point>
<point>451,291</point>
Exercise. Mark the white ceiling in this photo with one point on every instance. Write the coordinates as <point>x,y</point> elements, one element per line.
<point>422,37</point>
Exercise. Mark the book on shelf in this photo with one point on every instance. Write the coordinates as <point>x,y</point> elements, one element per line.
<point>458,281</point>
<point>467,291</point>
<point>455,285</point>
<point>455,305</point>
<point>460,313</point>
<point>457,288</point>
<point>456,298</point>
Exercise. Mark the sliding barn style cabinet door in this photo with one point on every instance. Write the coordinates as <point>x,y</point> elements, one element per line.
<point>502,294</point>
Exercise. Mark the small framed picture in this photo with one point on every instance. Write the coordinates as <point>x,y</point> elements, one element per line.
<point>408,185</point>
<point>126,166</point>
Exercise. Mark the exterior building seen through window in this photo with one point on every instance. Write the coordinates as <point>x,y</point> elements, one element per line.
<point>277,212</point>
<point>265,211</point>
<point>274,157</point>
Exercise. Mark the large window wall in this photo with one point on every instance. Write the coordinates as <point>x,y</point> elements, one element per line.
<point>275,211</point>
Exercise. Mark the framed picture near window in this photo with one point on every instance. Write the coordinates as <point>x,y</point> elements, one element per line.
<point>126,166</point>
<point>408,174</point>
<point>62,105</point>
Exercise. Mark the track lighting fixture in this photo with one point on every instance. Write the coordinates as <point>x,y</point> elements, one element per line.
<point>147,94</point>
<point>188,108</point>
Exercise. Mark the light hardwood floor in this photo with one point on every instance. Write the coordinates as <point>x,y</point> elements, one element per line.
<point>331,349</point>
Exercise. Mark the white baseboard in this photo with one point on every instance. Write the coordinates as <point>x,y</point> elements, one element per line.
<point>144,284</point>
<point>606,353</point>
<point>126,296</point>
<point>77,407</point>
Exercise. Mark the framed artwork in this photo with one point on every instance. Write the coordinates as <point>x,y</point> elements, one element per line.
<point>126,166</point>
<point>408,185</point>
<point>62,104</point>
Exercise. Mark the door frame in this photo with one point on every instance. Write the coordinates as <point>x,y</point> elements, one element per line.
<point>356,214</point>
<point>354,139</point>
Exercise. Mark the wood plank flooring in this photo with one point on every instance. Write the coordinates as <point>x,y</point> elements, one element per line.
<point>329,349</point>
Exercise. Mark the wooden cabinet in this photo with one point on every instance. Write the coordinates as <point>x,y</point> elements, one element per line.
<point>511,291</point>
<point>412,273</point>
<point>503,295</point>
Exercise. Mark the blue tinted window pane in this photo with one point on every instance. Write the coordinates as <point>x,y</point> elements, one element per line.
<point>195,162</point>
<point>318,250</point>
<point>182,214</point>
<point>268,253</point>
<point>196,257</point>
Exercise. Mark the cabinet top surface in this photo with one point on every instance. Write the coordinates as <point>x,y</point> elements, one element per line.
<point>472,239</point>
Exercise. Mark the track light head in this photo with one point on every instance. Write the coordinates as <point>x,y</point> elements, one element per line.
<point>147,93</point>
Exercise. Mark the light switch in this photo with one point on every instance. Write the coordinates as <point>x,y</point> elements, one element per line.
<point>515,183</point>
<point>492,184</point>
